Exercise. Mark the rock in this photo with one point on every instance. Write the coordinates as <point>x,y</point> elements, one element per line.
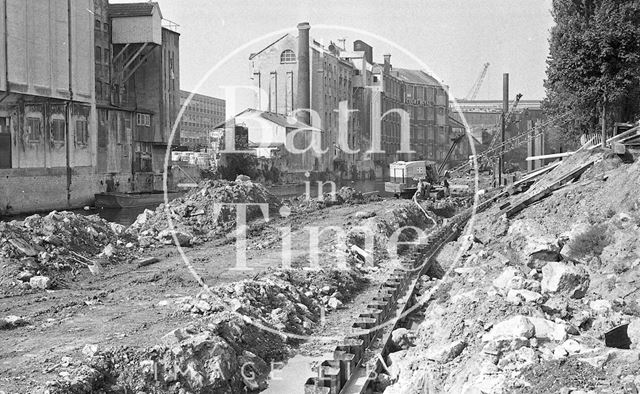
<point>511,278</point>
<point>446,352</point>
<point>560,352</point>
<point>395,361</point>
<point>499,346</point>
<point>25,276</point>
<point>600,306</point>
<point>243,178</point>
<point>633,332</point>
<point>517,326</point>
<point>203,306</point>
<point>546,329</point>
<point>40,282</point>
<point>23,247</point>
<point>517,296</point>
<point>555,306</point>
<point>561,277</point>
<point>572,346</point>
<point>598,361</point>
<point>364,214</point>
<point>334,303</point>
<point>402,338</point>
<point>108,251</point>
<point>184,238</point>
<point>90,350</point>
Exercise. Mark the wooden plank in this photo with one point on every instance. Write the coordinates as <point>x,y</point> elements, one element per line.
<point>511,211</point>
<point>551,156</point>
<point>629,133</point>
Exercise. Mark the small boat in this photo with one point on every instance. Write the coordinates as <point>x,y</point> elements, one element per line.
<point>132,200</point>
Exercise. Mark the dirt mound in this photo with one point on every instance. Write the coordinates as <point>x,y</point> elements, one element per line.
<point>345,195</point>
<point>205,212</point>
<point>537,296</point>
<point>40,251</point>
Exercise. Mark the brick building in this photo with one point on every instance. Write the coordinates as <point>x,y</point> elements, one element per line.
<point>329,75</point>
<point>200,117</point>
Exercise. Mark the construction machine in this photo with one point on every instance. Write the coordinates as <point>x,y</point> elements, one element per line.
<point>404,177</point>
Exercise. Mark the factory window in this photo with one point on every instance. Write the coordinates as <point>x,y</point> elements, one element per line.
<point>98,54</point>
<point>106,27</point>
<point>144,120</point>
<point>106,56</point>
<point>98,24</point>
<point>34,129</point>
<point>375,78</point>
<point>82,132</point>
<point>57,130</point>
<point>287,56</point>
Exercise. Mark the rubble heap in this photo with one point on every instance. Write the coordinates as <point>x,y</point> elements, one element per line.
<point>39,248</point>
<point>288,300</point>
<point>202,213</point>
<point>543,302</point>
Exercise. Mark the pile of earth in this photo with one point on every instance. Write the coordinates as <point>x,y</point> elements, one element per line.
<point>286,300</point>
<point>543,302</point>
<point>42,251</point>
<point>205,212</point>
<point>222,353</point>
<point>345,195</point>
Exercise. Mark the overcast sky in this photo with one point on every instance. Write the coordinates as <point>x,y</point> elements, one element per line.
<point>452,37</point>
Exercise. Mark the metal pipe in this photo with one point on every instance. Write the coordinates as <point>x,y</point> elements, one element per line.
<point>505,110</point>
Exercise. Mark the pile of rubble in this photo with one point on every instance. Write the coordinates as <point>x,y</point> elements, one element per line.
<point>38,250</point>
<point>289,300</point>
<point>544,302</point>
<point>206,212</point>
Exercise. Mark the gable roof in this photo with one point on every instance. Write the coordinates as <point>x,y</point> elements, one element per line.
<point>267,47</point>
<point>279,119</point>
<point>125,10</point>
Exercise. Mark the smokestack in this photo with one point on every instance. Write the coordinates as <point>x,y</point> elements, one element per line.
<point>303,99</point>
<point>387,63</point>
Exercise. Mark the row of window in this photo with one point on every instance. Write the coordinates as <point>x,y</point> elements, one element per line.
<point>57,132</point>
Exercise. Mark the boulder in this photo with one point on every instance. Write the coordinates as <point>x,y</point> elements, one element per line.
<point>40,282</point>
<point>633,332</point>
<point>600,306</point>
<point>517,296</point>
<point>510,278</point>
<point>184,238</point>
<point>445,352</point>
<point>560,277</point>
<point>517,326</point>
<point>546,329</point>
<point>403,338</point>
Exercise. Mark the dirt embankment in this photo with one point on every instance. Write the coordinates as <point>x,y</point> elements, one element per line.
<point>532,305</point>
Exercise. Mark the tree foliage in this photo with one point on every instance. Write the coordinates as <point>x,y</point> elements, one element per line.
<point>594,61</point>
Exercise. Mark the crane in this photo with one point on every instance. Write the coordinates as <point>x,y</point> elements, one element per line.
<point>507,120</point>
<point>473,92</point>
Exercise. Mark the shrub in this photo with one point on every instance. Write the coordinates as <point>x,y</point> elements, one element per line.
<point>591,242</point>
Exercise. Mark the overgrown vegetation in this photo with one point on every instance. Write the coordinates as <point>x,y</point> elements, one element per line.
<point>594,62</point>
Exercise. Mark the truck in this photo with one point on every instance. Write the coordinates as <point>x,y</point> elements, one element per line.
<point>404,177</point>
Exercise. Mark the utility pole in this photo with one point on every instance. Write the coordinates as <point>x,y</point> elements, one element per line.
<point>505,110</point>
<point>604,122</point>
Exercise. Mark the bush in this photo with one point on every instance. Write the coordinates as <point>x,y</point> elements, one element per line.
<point>591,242</point>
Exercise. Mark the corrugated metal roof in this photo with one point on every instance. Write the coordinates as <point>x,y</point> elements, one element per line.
<point>124,10</point>
<point>279,119</point>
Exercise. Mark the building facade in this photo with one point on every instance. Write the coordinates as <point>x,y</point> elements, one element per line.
<point>88,93</point>
<point>198,120</point>
<point>373,96</point>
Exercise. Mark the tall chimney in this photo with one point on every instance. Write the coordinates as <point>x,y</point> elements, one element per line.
<point>387,63</point>
<point>303,99</point>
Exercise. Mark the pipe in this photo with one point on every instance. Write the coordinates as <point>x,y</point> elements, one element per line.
<point>303,102</point>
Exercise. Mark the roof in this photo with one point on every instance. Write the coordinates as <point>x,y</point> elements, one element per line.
<point>279,119</point>
<point>268,46</point>
<point>415,76</point>
<point>125,10</point>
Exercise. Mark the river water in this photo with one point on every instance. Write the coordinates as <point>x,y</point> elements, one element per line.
<point>126,216</point>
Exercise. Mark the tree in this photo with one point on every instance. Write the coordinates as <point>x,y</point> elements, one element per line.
<point>594,62</point>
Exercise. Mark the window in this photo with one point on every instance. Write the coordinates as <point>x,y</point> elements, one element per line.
<point>97,24</point>
<point>34,129</point>
<point>143,120</point>
<point>98,54</point>
<point>57,130</point>
<point>105,27</point>
<point>82,132</point>
<point>105,54</point>
<point>287,56</point>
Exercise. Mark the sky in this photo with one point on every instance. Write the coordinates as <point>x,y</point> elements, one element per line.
<point>451,39</point>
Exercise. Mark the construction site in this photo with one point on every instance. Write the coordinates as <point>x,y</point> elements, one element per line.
<point>502,256</point>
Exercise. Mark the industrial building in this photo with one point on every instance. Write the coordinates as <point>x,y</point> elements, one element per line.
<point>199,118</point>
<point>88,94</point>
<point>298,72</point>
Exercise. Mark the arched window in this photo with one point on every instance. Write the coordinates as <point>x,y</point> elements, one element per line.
<point>287,56</point>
